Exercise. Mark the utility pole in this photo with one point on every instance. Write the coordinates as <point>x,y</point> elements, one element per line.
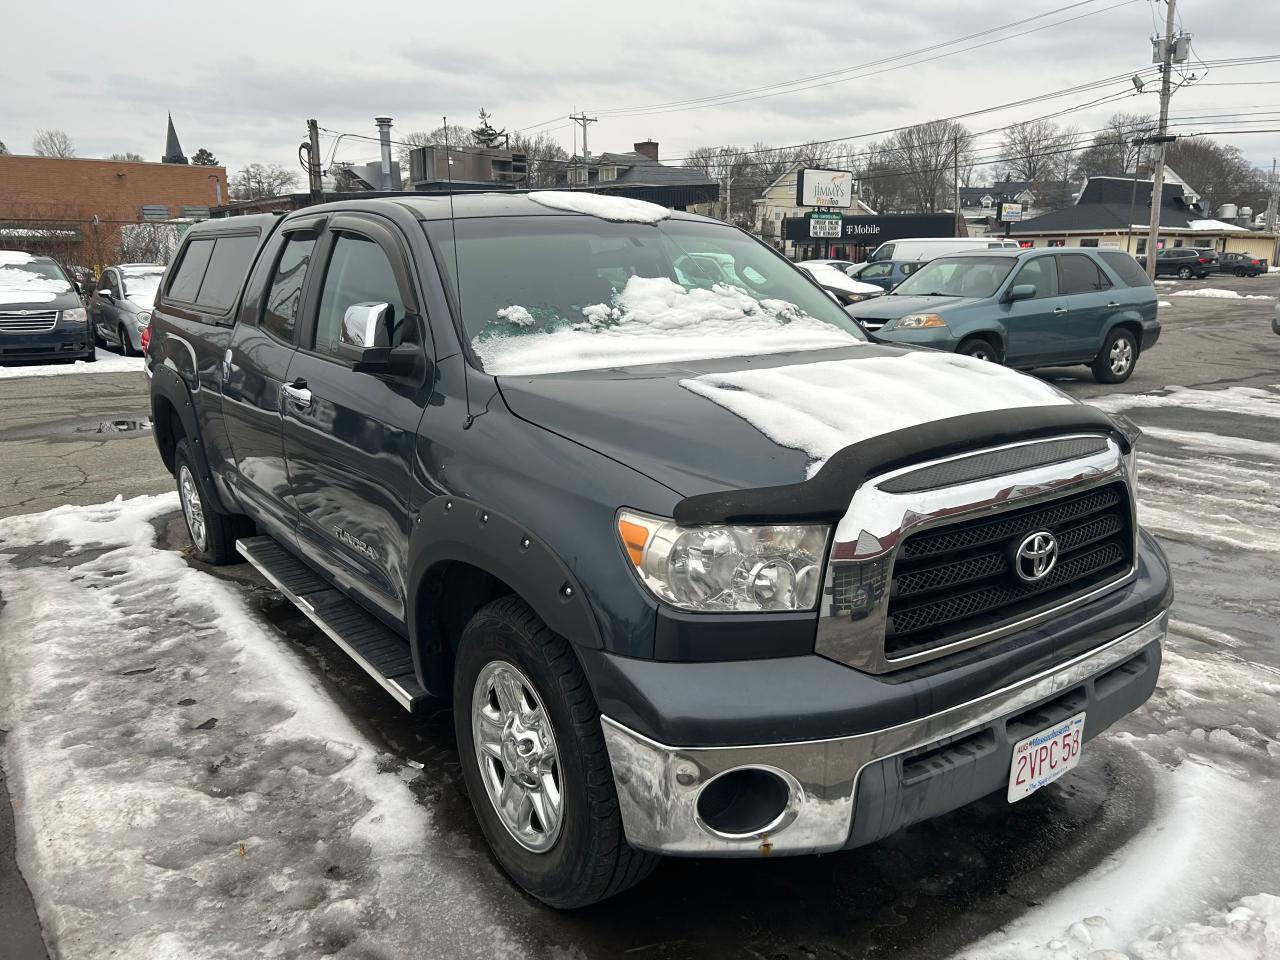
<point>955,163</point>
<point>313,163</point>
<point>1157,173</point>
<point>1273,197</point>
<point>583,120</point>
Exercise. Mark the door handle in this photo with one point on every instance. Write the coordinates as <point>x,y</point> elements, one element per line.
<point>297,394</point>
<point>1113,305</point>
<point>1059,310</point>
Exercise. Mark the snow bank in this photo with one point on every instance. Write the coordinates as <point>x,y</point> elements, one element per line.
<point>1217,293</point>
<point>655,320</point>
<point>106,363</point>
<point>823,407</point>
<point>184,786</point>
<point>618,209</point>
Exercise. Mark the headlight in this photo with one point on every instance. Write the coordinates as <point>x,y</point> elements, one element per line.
<point>74,315</point>
<point>1132,433</point>
<point>918,321</point>
<point>723,568</point>
<point>850,299</point>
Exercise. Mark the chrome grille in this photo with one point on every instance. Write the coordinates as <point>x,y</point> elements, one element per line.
<point>957,580</point>
<point>28,321</point>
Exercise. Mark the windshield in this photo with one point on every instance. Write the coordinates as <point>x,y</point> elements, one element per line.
<point>141,287</point>
<point>549,294</point>
<point>882,252</point>
<point>26,278</point>
<point>957,277</point>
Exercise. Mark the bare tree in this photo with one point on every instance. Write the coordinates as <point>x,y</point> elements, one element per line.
<point>127,155</point>
<point>4,151</point>
<point>1032,150</point>
<point>544,157</point>
<point>927,156</point>
<point>262,180</point>
<point>52,143</point>
<point>1113,151</point>
<point>148,242</point>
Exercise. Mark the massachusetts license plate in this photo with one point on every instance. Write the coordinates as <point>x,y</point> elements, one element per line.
<point>1045,756</point>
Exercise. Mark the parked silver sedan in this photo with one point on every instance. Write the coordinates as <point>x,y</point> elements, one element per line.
<point>121,305</point>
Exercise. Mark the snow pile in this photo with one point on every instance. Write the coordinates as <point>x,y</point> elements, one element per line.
<point>1217,293</point>
<point>655,320</point>
<point>106,363</point>
<point>617,209</point>
<point>184,786</point>
<point>823,407</point>
<point>517,315</point>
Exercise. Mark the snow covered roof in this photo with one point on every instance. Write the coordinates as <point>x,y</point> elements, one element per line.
<point>1216,226</point>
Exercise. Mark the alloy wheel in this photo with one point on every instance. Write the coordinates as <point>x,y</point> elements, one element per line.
<point>1121,356</point>
<point>192,508</point>
<point>517,755</point>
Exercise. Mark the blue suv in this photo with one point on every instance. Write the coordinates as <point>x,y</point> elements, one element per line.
<point>1025,308</point>
<point>885,273</point>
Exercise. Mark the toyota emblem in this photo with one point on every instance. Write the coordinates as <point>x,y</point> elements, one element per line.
<point>1037,554</point>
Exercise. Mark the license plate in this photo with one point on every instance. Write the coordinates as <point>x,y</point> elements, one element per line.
<point>1043,757</point>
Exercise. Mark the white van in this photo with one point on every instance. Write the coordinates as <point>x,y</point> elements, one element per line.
<point>930,248</point>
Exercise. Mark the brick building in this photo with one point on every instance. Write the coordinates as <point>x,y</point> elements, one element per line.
<point>73,209</point>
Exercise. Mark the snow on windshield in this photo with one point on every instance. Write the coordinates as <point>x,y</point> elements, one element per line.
<point>141,287</point>
<point>617,209</point>
<point>652,320</point>
<point>23,279</point>
<point>807,406</point>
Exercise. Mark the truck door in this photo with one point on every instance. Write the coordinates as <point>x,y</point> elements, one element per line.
<point>349,437</point>
<point>262,344</point>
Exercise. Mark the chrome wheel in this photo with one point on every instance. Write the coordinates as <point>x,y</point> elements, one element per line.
<point>1121,356</point>
<point>517,756</point>
<point>192,508</point>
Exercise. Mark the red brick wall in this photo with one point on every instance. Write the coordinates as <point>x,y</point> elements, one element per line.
<point>56,192</point>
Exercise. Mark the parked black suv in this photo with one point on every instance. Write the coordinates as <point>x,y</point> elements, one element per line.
<point>1184,262</point>
<point>703,570</point>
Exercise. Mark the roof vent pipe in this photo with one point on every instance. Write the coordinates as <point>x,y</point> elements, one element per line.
<point>384,137</point>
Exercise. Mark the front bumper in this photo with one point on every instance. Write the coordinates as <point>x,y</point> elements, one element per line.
<point>846,791</point>
<point>66,341</point>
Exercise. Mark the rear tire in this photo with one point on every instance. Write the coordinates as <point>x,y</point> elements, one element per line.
<point>580,854</point>
<point>1117,358</point>
<point>213,533</point>
<point>979,349</point>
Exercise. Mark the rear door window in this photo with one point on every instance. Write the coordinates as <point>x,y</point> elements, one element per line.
<point>190,273</point>
<point>1131,275</point>
<point>226,273</point>
<point>1080,274</point>
<point>280,312</point>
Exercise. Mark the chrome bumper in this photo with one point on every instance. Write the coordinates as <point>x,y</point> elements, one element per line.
<point>658,785</point>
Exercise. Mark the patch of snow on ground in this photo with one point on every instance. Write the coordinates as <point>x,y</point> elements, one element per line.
<point>617,209</point>
<point>1164,303</point>
<point>183,785</point>
<point>655,320</point>
<point>106,363</point>
<point>1217,293</point>
<point>1247,401</point>
<point>810,407</point>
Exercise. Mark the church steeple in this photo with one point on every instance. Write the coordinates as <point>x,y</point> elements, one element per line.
<point>172,148</point>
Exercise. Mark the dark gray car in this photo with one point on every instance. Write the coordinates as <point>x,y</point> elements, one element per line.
<point>121,306</point>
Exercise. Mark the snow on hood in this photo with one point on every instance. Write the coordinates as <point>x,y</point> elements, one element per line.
<point>655,320</point>
<point>24,286</point>
<point>821,408</point>
<point>618,209</point>
<point>836,279</point>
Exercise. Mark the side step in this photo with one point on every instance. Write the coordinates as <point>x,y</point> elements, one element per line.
<point>380,651</point>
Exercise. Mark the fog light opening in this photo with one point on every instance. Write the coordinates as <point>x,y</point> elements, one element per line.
<point>744,802</point>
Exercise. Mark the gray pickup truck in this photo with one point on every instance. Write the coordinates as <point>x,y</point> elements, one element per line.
<point>703,571</point>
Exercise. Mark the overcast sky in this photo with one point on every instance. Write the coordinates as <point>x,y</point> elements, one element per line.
<point>242,78</point>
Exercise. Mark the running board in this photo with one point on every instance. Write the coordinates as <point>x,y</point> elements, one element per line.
<point>381,652</point>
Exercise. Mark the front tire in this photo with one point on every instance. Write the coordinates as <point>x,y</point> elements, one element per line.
<point>534,760</point>
<point>213,533</point>
<point>980,350</point>
<point>1184,273</point>
<point>126,345</point>
<point>1115,361</point>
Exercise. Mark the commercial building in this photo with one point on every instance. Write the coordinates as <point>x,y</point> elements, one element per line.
<point>639,175</point>
<point>1115,212</point>
<point>73,209</point>
<point>777,207</point>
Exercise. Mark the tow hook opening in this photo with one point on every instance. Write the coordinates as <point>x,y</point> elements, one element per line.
<point>744,802</point>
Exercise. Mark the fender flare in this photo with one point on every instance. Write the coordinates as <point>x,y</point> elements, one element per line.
<point>452,529</point>
<point>168,384</point>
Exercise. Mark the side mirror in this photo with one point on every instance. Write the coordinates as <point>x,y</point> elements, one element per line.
<point>105,295</point>
<point>1020,291</point>
<point>365,340</point>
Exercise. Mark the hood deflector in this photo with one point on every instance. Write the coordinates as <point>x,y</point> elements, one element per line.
<point>826,495</point>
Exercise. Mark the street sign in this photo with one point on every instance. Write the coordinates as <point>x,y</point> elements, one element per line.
<point>1010,213</point>
<point>826,226</point>
<point>824,188</point>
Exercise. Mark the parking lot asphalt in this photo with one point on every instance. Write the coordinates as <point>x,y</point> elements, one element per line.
<point>83,439</point>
